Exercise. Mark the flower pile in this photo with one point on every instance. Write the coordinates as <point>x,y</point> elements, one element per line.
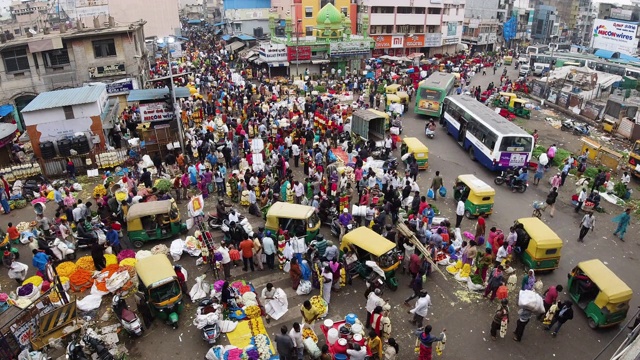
<point>35,280</point>
<point>99,191</point>
<point>308,333</point>
<point>233,354</point>
<point>111,259</point>
<point>66,268</point>
<point>252,311</point>
<point>80,280</point>
<point>126,254</point>
<point>85,263</point>
<point>128,262</point>
<point>261,342</point>
<point>319,304</point>
<point>251,353</point>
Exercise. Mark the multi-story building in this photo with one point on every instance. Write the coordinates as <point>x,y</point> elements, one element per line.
<point>303,14</point>
<point>413,26</point>
<point>524,11</point>
<point>247,16</point>
<point>482,20</point>
<point>566,17</point>
<point>544,27</point>
<point>584,23</point>
<point>63,58</point>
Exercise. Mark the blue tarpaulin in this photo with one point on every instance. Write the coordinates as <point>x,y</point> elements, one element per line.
<point>606,54</point>
<point>6,110</point>
<point>510,26</point>
<point>194,22</point>
<point>219,24</point>
<point>244,37</point>
<point>629,58</point>
<point>226,37</point>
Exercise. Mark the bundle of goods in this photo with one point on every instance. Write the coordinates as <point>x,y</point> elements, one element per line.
<point>21,171</point>
<point>320,305</point>
<point>86,263</point>
<point>80,280</point>
<point>111,159</point>
<point>99,191</point>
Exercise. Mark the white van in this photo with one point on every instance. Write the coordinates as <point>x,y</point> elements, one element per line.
<point>539,68</point>
<point>523,60</point>
<point>524,70</point>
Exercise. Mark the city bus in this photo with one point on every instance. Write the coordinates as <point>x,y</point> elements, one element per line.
<point>537,49</point>
<point>487,137</point>
<point>431,92</point>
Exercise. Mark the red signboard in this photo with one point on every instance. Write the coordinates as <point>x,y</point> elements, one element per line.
<point>304,53</point>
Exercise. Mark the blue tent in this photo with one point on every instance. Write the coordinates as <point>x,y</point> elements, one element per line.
<point>194,22</point>
<point>509,31</point>
<point>6,110</point>
<point>607,54</point>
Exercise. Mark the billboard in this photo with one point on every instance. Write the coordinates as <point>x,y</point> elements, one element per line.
<point>299,53</point>
<point>615,36</point>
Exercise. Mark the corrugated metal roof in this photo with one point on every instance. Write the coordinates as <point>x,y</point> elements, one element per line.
<point>156,94</point>
<point>66,97</point>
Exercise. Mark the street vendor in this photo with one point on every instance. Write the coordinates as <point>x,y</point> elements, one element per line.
<point>309,314</point>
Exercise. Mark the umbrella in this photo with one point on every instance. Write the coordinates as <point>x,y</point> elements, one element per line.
<point>394,77</point>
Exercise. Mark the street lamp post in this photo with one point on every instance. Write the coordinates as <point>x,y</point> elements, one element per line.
<point>298,47</point>
<point>176,107</point>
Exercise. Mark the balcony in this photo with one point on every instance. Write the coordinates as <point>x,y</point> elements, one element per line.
<point>434,19</point>
<point>410,19</point>
<point>382,19</point>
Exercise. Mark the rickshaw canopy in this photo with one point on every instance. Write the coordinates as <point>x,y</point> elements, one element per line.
<point>415,146</point>
<point>476,186</point>
<point>137,211</point>
<point>611,286</point>
<point>542,237</point>
<point>154,268</point>
<point>392,98</point>
<point>392,89</point>
<point>367,240</point>
<point>403,95</point>
<point>287,210</point>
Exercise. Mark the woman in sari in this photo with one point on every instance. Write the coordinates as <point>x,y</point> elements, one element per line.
<point>426,341</point>
<point>295,273</point>
<point>529,280</point>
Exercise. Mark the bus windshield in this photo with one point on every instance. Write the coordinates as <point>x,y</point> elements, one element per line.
<point>516,143</point>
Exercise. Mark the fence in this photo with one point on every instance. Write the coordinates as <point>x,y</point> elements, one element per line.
<point>57,167</point>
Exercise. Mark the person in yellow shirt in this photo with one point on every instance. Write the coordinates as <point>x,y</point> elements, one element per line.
<point>375,345</point>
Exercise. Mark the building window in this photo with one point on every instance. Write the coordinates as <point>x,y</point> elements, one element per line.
<point>403,10</point>
<point>17,31</point>
<point>68,112</point>
<point>237,26</point>
<point>382,9</point>
<point>434,11</point>
<point>344,11</point>
<point>403,28</point>
<point>308,30</point>
<point>55,58</point>
<point>308,12</point>
<point>104,48</point>
<point>419,10</point>
<point>15,60</point>
<point>325,2</point>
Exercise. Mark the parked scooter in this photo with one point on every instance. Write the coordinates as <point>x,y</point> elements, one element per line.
<point>98,347</point>
<point>336,227</point>
<point>75,351</point>
<point>581,129</point>
<point>207,311</point>
<point>567,125</point>
<point>63,250</point>
<point>328,215</point>
<point>129,320</point>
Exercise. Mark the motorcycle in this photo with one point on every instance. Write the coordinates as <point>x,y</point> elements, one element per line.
<point>336,227</point>
<point>327,216</point>
<point>506,176</point>
<point>567,125</point>
<point>397,123</point>
<point>518,185</point>
<point>128,319</point>
<point>98,347</point>
<point>214,221</point>
<point>63,250</point>
<point>75,350</point>
<point>206,320</point>
<point>581,129</point>
<point>429,133</point>
<point>390,164</point>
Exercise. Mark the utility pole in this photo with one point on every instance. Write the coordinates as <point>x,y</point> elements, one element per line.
<point>298,22</point>
<point>176,107</point>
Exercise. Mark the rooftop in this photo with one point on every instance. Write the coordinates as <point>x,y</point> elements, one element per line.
<point>66,97</point>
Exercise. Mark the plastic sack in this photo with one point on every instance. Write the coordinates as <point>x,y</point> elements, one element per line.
<point>77,187</point>
<point>442,191</point>
<point>288,251</point>
<point>531,301</point>
<point>304,288</point>
<point>543,159</point>
<point>141,254</point>
<point>90,302</point>
<point>215,353</point>
<point>227,326</point>
<point>287,266</point>
<point>305,270</point>
<point>117,280</point>
<point>312,348</point>
<point>512,282</point>
<point>176,249</point>
<point>18,271</point>
<point>199,289</point>
<point>203,320</point>
<point>430,194</point>
<point>474,287</point>
<point>160,249</point>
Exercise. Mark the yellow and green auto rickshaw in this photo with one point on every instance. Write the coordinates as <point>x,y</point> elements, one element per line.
<point>508,60</point>
<point>161,288</point>
<point>298,220</point>
<point>368,245</point>
<point>392,89</point>
<point>602,295</point>
<point>155,220</point>
<point>419,150</point>
<point>541,247</point>
<point>392,99</point>
<point>478,194</point>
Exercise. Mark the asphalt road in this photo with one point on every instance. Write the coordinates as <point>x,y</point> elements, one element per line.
<point>466,316</point>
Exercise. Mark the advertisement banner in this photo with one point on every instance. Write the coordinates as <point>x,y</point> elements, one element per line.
<point>615,36</point>
<point>344,48</point>
<point>383,41</point>
<point>270,52</point>
<point>303,53</point>
<point>157,111</point>
<point>414,41</point>
<point>621,14</point>
<point>433,39</point>
<point>513,159</point>
<point>120,87</point>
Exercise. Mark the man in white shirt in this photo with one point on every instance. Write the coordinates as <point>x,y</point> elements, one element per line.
<point>298,188</point>
<point>77,213</point>
<point>502,253</point>
<point>226,260</point>
<point>582,196</point>
<point>626,179</point>
<point>295,151</point>
<point>421,309</point>
<point>296,335</point>
<point>588,223</point>
<point>373,300</point>
<point>459,212</point>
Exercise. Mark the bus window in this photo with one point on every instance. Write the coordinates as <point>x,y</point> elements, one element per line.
<point>516,143</point>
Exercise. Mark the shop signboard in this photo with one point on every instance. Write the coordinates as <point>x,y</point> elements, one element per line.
<point>107,70</point>
<point>349,48</point>
<point>615,36</point>
<point>390,41</point>
<point>303,53</point>
<point>120,87</point>
<point>415,41</point>
<point>157,111</point>
<point>433,39</point>
<point>271,52</point>
<point>450,40</point>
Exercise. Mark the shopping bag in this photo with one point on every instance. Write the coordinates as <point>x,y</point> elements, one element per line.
<point>442,191</point>
<point>430,194</point>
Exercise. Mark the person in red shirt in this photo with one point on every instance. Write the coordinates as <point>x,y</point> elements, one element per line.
<point>14,234</point>
<point>481,225</point>
<point>246,248</point>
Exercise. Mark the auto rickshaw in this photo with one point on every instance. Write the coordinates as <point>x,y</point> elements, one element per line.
<point>602,295</point>
<point>392,99</point>
<point>540,247</point>
<point>154,220</point>
<point>298,220</point>
<point>479,196</point>
<point>392,89</point>
<point>508,60</point>
<point>382,114</point>
<point>504,100</point>
<point>519,107</point>
<point>369,245</point>
<point>160,286</point>
<point>419,150</point>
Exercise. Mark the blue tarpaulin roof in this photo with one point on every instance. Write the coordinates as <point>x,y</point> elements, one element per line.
<point>244,37</point>
<point>194,22</point>
<point>226,37</point>
<point>218,31</point>
<point>156,94</point>
<point>629,58</point>
<point>606,54</point>
<point>219,24</point>
<point>6,110</point>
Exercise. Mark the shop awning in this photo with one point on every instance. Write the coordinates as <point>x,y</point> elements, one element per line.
<point>194,22</point>
<point>322,61</point>
<point>7,132</point>
<point>225,37</point>
<point>156,94</point>
<point>606,54</point>
<point>244,37</point>
<point>279,64</point>
<point>234,46</point>
<point>219,24</point>
<point>247,55</point>
<point>6,110</point>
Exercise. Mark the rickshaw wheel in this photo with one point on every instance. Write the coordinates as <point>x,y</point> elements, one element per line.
<point>138,244</point>
<point>467,214</point>
<point>393,287</point>
<point>592,323</point>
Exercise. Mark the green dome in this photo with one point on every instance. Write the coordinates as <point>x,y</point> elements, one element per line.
<point>329,12</point>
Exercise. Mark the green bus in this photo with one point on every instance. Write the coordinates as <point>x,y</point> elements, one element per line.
<point>431,93</point>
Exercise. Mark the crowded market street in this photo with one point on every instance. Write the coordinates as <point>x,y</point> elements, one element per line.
<point>467,316</point>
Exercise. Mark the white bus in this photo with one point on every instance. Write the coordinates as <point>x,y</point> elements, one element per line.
<point>537,49</point>
<point>487,137</point>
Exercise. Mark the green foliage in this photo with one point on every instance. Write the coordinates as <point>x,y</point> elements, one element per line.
<point>381,88</point>
<point>320,89</point>
<point>538,150</point>
<point>561,156</point>
<point>620,190</point>
<point>163,185</point>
